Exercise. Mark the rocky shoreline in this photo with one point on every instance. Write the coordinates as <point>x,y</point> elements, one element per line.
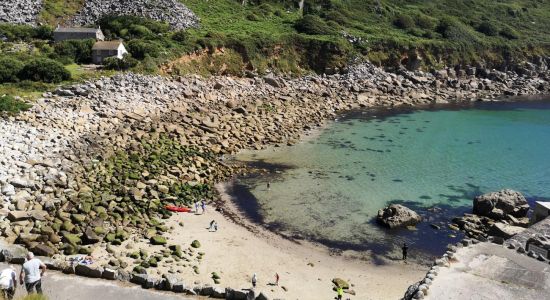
<point>92,166</point>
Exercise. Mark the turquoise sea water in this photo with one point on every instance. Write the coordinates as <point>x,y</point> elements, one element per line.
<point>434,161</point>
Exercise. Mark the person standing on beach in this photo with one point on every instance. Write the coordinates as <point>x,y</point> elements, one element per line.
<point>254,280</point>
<point>277,279</point>
<point>8,283</point>
<point>196,207</point>
<point>339,293</point>
<point>211,225</point>
<point>405,248</point>
<point>32,271</point>
<point>203,205</point>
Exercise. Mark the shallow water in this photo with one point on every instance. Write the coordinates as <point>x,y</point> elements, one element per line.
<point>434,161</point>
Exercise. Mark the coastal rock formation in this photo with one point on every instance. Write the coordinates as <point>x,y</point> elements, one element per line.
<point>499,205</point>
<point>172,12</point>
<point>20,11</point>
<point>502,214</point>
<point>92,165</point>
<point>397,215</point>
<point>504,231</point>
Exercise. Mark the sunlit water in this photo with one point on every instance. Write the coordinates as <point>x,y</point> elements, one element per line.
<point>433,161</point>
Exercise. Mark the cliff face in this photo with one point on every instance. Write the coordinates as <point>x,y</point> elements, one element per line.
<point>171,11</point>
<point>20,11</point>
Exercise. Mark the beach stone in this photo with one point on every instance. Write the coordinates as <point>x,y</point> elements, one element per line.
<point>15,216</point>
<point>8,189</point>
<point>262,296</point>
<point>88,271</point>
<point>109,274</point>
<point>218,292</point>
<point>140,279</point>
<point>158,240</point>
<point>179,287</point>
<point>498,205</point>
<point>397,215</point>
<point>339,282</point>
<point>43,250</point>
<point>22,183</point>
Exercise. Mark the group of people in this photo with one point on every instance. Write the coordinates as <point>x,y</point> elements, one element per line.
<point>201,204</point>
<point>255,279</point>
<point>31,275</point>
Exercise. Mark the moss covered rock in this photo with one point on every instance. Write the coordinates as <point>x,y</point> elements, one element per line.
<point>158,240</point>
<point>196,244</point>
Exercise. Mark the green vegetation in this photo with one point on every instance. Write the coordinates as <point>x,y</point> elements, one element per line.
<point>58,11</point>
<point>274,35</point>
<point>46,70</point>
<point>10,105</point>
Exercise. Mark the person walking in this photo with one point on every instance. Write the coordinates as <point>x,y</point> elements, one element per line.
<point>277,279</point>
<point>254,280</point>
<point>405,248</point>
<point>8,283</point>
<point>32,271</point>
<point>339,293</point>
<point>196,207</point>
<point>203,205</point>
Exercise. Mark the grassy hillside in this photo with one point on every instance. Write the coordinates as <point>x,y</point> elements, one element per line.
<point>443,31</point>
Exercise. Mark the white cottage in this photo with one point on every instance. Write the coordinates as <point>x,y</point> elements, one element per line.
<point>102,50</point>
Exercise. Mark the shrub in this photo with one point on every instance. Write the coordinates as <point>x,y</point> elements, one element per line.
<point>314,25</point>
<point>509,33</point>
<point>14,32</point>
<point>131,26</point>
<point>336,16</point>
<point>180,36</point>
<point>114,63</point>
<point>142,48</point>
<point>488,28</point>
<point>404,22</point>
<point>425,22</point>
<point>455,30</point>
<point>9,69</point>
<point>46,70</point>
<point>79,51</point>
<point>10,105</point>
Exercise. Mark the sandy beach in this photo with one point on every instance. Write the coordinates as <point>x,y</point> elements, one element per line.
<point>236,252</point>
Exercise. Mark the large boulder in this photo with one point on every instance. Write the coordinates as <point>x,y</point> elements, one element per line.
<point>397,215</point>
<point>505,231</point>
<point>498,205</point>
<point>88,271</point>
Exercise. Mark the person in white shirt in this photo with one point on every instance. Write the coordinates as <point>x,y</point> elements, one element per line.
<point>33,270</point>
<point>8,283</point>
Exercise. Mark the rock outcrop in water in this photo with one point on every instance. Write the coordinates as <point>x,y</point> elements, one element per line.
<point>502,214</point>
<point>499,205</point>
<point>397,215</point>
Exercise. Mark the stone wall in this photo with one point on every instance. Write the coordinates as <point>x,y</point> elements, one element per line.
<point>171,11</point>
<point>20,11</point>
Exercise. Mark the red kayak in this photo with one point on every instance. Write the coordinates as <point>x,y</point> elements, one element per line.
<point>177,208</point>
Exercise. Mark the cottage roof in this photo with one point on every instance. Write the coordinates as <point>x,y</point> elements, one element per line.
<point>77,29</point>
<point>110,45</point>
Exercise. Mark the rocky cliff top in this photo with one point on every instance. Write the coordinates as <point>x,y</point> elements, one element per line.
<point>171,11</point>
<point>20,11</point>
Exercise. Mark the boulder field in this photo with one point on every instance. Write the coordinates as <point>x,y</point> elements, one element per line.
<point>93,164</point>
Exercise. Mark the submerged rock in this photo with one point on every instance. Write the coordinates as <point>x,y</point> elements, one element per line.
<point>397,215</point>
